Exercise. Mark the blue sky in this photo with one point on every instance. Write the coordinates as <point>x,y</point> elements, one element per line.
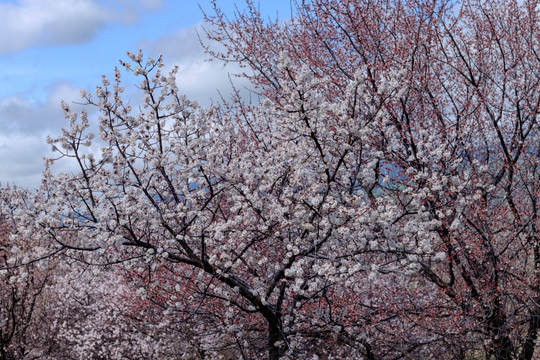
<point>50,49</point>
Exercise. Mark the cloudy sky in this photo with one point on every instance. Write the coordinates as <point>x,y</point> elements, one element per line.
<point>51,49</point>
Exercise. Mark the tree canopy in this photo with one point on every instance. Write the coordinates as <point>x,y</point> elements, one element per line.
<point>378,200</point>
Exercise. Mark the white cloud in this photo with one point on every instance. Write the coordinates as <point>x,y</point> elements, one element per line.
<point>49,22</point>
<point>20,160</point>
<point>24,126</point>
<point>21,115</point>
<point>199,78</point>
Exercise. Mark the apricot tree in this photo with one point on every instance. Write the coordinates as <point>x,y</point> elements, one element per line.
<point>380,200</point>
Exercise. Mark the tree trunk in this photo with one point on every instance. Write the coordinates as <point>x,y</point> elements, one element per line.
<point>529,344</point>
<point>502,346</point>
<point>273,337</point>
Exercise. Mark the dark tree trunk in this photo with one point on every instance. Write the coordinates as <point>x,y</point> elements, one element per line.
<point>529,344</point>
<point>273,337</point>
<point>502,346</point>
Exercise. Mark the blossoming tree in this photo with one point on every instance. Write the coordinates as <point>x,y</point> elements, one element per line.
<point>52,307</point>
<point>380,201</point>
<point>460,142</point>
<point>24,286</point>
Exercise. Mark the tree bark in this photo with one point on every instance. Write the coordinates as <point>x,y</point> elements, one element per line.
<point>273,337</point>
<point>527,351</point>
<point>502,346</point>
